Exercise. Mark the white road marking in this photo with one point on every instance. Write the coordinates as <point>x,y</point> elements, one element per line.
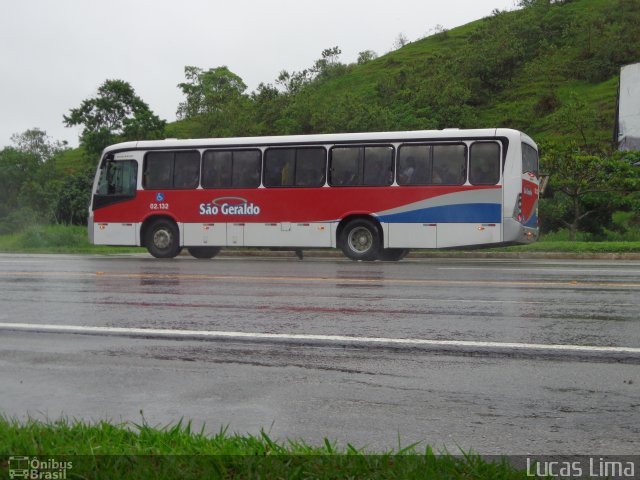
<point>329,339</point>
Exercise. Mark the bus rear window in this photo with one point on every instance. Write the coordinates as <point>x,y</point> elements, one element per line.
<point>529,159</point>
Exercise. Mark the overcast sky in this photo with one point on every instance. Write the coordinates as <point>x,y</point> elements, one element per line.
<point>55,53</point>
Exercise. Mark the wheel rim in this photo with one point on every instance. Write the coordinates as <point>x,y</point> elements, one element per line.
<point>360,240</point>
<point>162,239</point>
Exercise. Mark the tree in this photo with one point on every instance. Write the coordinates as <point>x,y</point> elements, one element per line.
<point>587,184</point>
<point>115,114</point>
<point>38,143</point>
<point>328,64</point>
<point>400,41</point>
<point>72,201</point>
<point>577,116</point>
<point>208,92</point>
<point>366,56</point>
<point>16,168</point>
<point>216,103</point>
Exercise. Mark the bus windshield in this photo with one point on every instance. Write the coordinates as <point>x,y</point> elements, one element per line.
<point>118,178</point>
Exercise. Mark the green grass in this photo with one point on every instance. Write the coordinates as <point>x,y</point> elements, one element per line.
<point>106,450</point>
<point>577,247</point>
<point>56,239</point>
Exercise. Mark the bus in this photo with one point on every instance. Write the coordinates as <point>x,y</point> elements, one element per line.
<point>375,196</point>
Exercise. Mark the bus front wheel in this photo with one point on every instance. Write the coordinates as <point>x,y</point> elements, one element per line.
<point>162,239</point>
<point>203,252</point>
<point>360,240</point>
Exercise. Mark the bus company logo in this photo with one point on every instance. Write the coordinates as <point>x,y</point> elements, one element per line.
<point>34,468</point>
<point>229,206</point>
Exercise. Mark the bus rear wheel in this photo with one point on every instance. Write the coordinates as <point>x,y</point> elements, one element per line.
<point>393,254</point>
<point>162,239</point>
<point>203,252</point>
<point>360,240</point>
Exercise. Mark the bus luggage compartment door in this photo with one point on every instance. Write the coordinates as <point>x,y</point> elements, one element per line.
<point>115,233</point>
<point>235,234</point>
<point>214,234</point>
<point>412,235</point>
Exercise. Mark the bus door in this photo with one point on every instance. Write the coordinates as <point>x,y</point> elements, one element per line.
<point>116,185</point>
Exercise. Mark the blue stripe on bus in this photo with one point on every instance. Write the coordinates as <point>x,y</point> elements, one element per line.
<point>532,222</point>
<point>464,213</point>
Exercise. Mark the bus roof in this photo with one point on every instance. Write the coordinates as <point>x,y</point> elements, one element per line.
<point>319,139</point>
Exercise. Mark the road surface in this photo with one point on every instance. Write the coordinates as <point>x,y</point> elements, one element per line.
<point>502,356</point>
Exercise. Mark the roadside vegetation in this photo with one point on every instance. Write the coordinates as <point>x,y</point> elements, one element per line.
<point>128,451</point>
<point>548,68</point>
<point>73,239</point>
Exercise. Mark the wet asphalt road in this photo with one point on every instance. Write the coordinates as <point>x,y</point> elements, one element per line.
<point>514,401</point>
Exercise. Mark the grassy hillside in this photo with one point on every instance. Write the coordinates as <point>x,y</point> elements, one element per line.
<point>531,69</point>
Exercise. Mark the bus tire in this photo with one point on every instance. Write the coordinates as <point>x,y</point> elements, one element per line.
<point>393,254</point>
<point>162,239</point>
<point>360,240</point>
<point>203,252</point>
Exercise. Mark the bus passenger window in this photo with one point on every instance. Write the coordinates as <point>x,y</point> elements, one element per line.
<point>279,167</point>
<point>378,166</point>
<point>231,169</point>
<point>246,169</point>
<point>186,171</point>
<point>449,164</point>
<point>484,163</point>
<point>414,165</point>
<point>216,169</point>
<point>157,170</point>
<point>346,166</point>
<point>310,167</point>
<point>171,170</point>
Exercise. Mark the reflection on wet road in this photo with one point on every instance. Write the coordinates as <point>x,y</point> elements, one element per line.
<point>367,396</point>
<point>575,303</point>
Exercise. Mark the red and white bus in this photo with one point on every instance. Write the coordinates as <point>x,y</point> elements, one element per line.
<point>373,195</point>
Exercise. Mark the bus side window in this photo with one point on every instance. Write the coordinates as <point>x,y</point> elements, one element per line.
<point>484,163</point>
<point>186,170</point>
<point>345,166</point>
<point>279,167</point>
<point>414,165</point>
<point>378,166</point>
<point>158,170</point>
<point>231,168</point>
<point>449,164</point>
<point>216,169</point>
<point>310,167</point>
<point>246,169</point>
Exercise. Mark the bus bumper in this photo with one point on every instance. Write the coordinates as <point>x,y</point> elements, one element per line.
<point>515,232</point>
